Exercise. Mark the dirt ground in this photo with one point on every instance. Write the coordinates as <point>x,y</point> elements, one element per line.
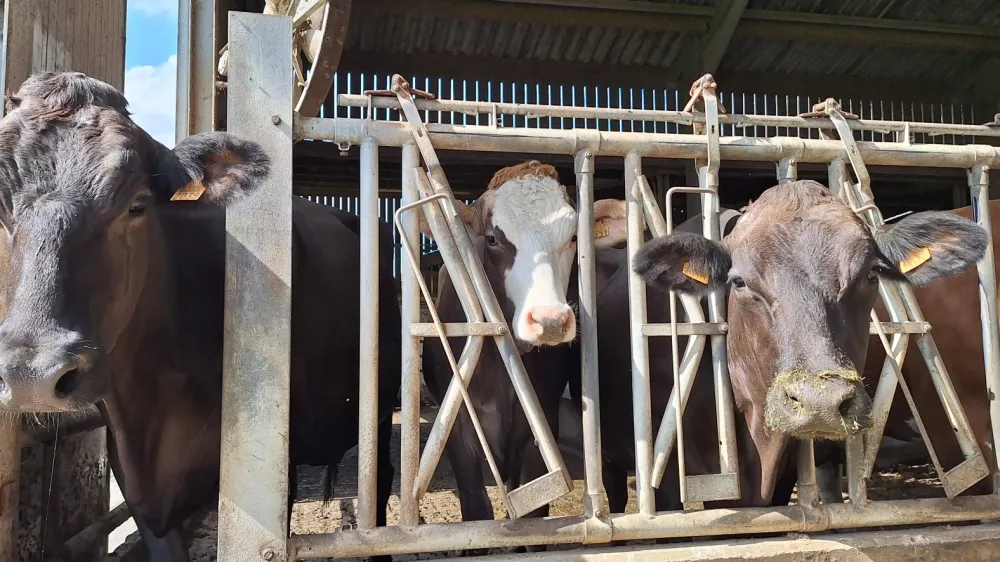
<point>441,504</point>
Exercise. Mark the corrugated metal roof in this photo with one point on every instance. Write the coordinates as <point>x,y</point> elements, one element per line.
<point>547,43</point>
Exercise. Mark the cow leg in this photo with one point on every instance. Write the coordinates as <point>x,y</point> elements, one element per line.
<point>168,548</point>
<point>463,454</point>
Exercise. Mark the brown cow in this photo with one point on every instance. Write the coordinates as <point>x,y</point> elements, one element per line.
<point>112,294</point>
<point>802,274</point>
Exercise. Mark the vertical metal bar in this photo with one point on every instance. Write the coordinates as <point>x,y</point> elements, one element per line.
<point>641,408</point>
<point>807,489</point>
<point>253,482</point>
<point>409,450</point>
<point>368,387</point>
<point>979,192</point>
<point>587,278</point>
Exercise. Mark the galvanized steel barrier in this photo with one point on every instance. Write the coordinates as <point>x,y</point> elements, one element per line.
<point>254,450</point>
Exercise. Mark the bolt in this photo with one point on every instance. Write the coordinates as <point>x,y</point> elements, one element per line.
<point>275,119</point>
<point>502,329</point>
<point>268,554</point>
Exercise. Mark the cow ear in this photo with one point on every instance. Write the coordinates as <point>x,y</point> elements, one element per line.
<point>684,262</point>
<point>610,226</point>
<point>924,247</point>
<point>217,167</point>
<point>468,214</point>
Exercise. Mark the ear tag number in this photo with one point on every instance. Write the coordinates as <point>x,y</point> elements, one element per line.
<point>696,275</point>
<point>915,259</point>
<point>601,230</point>
<point>190,192</point>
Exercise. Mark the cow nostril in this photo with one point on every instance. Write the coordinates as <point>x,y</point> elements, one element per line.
<point>791,396</point>
<point>846,407</point>
<point>68,383</point>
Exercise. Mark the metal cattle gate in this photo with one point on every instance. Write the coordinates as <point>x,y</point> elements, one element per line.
<point>254,481</point>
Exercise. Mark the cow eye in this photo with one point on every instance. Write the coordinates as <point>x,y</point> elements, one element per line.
<point>737,282</point>
<point>491,240</point>
<point>138,207</point>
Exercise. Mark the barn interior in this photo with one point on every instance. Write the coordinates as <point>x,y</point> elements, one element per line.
<point>916,60</point>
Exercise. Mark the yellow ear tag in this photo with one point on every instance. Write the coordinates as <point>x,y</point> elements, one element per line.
<point>916,258</point>
<point>696,275</point>
<point>601,230</point>
<point>190,192</point>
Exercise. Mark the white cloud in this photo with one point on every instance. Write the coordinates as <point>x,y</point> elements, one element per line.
<point>152,95</point>
<point>154,7</point>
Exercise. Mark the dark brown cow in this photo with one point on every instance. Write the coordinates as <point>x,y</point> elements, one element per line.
<point>114,295</point>
<point>524,230</point>
<point>802,273</point>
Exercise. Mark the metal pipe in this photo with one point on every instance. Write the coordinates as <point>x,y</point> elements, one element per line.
<point>648,145</point>
<point>409,446</point>
<point>505,343</point>
<point>593,500</point>
<point>532,111</point>
<point>10,472</point>
<point>439,537</point>
<point>979,190</point>
<point>708,178</point>
<point>641,406</point>
<point>368,366</point>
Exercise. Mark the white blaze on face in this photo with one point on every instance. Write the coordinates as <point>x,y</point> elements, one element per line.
<point>535,217</point>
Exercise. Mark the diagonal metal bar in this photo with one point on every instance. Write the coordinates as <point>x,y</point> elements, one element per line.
<point>974,468</point>
<point>557,482</point>
<point>439,326</point>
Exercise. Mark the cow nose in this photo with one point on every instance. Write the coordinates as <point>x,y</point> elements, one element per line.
<point>550,324</point>
<point>826,404</point>
<point>33,380</point>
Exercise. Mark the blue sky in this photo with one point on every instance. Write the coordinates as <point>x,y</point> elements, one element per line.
<point>151,65</point>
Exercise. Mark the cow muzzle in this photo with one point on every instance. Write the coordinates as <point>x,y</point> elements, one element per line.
<point>547,325</point>
<point>43,380</point>
<point>824,404</point>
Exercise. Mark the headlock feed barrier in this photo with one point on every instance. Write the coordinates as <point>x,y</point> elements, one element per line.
<point>254,479</point>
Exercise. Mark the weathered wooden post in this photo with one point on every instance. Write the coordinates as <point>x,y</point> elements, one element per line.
<point>67,477</point>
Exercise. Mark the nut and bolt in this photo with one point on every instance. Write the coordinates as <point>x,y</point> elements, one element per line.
<point>268,554</point>
<point>275,120</point>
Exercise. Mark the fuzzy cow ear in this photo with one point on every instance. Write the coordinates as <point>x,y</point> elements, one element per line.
<point>217,167</point>
<point>931,245</point>
<point>610,226</point>
<point>684,262</point>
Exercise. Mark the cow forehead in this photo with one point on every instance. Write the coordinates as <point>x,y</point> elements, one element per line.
<point>86,156</point>
<point>533,210</point>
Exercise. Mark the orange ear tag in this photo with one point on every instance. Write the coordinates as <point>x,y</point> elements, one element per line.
<point>696,275</point>
<point>915,259</point>
<point>190,192</point>
<point>601,230</point>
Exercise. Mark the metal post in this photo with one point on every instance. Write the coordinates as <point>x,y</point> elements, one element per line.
<point>807,488</point>
<point>641,407</point>
<point>10,471</point>
<point>587,278</point>
<point>409,447</point>
<point>253,484</point>
<point>979,191</point>
<point>368,387</point>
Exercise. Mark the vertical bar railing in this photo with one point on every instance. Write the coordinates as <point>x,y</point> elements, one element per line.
<point>641,407</point>
<point>253,483</point>
<point>410,391</point>
<point>368,386</point>
<point>590,383</point>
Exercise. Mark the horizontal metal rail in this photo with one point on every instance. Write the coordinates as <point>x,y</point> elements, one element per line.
<point>439,537</point>
<point>532,111</point>
<point>346,132</point>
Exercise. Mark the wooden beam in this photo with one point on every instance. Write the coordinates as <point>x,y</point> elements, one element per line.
<point>720,33</point>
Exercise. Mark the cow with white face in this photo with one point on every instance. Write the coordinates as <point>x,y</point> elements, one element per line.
<point>524,230</point>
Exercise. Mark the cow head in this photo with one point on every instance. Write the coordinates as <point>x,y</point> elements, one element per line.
<point>803,274</point>
<point>528,224</point>
<point>80,189</point>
